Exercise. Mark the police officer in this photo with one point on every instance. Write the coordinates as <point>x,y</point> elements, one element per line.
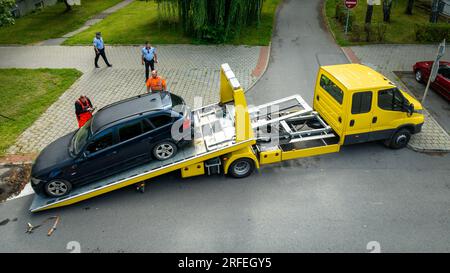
<point>99,48</point>
<point>149,58</point>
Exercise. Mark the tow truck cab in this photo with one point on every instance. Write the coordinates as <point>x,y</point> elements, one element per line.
<point>362,105</point>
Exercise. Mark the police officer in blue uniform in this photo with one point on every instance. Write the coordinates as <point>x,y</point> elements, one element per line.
<point>149,58</point>
<point>99,48</point>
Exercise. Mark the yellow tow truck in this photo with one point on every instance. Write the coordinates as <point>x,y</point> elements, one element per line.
<point>352,104</point>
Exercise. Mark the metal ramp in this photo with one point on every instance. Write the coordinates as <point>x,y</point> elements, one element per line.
<point>216,126</point>
<point>288,120</point>
<point>213,136</point>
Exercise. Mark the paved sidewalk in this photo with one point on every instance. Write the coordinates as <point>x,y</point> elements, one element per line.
<point>389,58</point>
<point>92,21</point>
<point>191,71</point>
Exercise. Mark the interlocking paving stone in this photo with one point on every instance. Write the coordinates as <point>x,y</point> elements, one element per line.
<point>389,58</point>
<point>191,71</point>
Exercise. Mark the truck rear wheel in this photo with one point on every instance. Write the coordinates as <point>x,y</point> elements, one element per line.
<point>399,139</point>
<point>241,168</point>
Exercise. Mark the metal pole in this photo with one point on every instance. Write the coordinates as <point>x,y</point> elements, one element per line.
<point>346,21</point>
<point>426,90</point>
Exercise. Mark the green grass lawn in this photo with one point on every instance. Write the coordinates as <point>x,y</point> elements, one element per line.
<point>25,95</point>
<point>399,31</point>
<point>138,22</point>
<point>51,22</point>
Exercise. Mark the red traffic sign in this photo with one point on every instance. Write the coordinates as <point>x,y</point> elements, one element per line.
<point>350,3</point>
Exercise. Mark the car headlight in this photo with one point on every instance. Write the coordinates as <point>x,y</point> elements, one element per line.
<point>35,181</point>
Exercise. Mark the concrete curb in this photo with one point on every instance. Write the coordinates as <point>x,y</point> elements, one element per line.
<point>266,65</point>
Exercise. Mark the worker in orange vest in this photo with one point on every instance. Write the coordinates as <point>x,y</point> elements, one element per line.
<point>83,110</point>
<point>156,83</point>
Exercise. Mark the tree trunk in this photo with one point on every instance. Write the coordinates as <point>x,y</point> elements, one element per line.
<point>369,13</point>
<point>68,7</point>
<point>387,5</point>
<point>434,11</point>
<point>409,7</point>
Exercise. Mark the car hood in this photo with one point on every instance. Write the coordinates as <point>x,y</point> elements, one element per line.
<point>414,101</point>
<point>54,155</point>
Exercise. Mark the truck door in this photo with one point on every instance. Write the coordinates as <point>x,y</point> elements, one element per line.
<point>388,113</point>
<point>328,102</point>
<point>360,118</point>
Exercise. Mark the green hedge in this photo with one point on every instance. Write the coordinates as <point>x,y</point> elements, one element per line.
<point>428,32</point>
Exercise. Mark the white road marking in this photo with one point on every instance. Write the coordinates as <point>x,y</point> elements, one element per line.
<point>27,190</point>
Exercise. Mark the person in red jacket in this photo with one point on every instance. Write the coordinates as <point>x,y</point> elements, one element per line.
<point>83,110</point>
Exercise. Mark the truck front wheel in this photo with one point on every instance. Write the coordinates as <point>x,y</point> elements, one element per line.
<point>399,140</point>
<point>241,168</point>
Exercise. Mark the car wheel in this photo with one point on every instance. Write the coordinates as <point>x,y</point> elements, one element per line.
<point>400,139</point>
<point>57,188</point>
<point>241,168</point>
<point>164,150</point>
<point>419,76</point>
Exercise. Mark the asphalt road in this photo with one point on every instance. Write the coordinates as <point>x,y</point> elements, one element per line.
<point>337,202</point>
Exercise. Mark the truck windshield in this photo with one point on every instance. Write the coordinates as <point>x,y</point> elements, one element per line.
<point>391,99</point>
<point>80,138</point>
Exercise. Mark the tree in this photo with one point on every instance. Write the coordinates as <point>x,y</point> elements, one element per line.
<point>434,15</point>
<point>387,6</point>
<point>369,13</point>
<point>68,6</point>
<point>409,7</point>
<point>211,20</point>
<point>6,17</point>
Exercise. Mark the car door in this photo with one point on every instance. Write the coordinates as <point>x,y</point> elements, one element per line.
<point>442,82</point>
<point>134,143</point>
<point>360,118</point>
<point>162,123</point>
<point>99,157</point>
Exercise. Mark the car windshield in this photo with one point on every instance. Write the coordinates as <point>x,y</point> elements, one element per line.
<point>80,138</point>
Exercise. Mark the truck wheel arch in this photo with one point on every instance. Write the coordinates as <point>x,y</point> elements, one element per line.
<point>405,132</point>
<point>245,153</point>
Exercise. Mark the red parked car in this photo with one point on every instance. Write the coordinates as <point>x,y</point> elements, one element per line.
<point>441,85</point>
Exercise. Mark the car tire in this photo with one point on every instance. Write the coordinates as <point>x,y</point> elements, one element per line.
<point>57,188</point>
<point>164,150</point>
<point>418,75</point>
<point>399,139</point>
<point>241,168</point>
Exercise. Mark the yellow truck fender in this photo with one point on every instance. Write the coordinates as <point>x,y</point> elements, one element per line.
<point>247,152</point>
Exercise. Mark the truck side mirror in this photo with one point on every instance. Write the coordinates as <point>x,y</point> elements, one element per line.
<point>411,109</point>
<point>408,108</point>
